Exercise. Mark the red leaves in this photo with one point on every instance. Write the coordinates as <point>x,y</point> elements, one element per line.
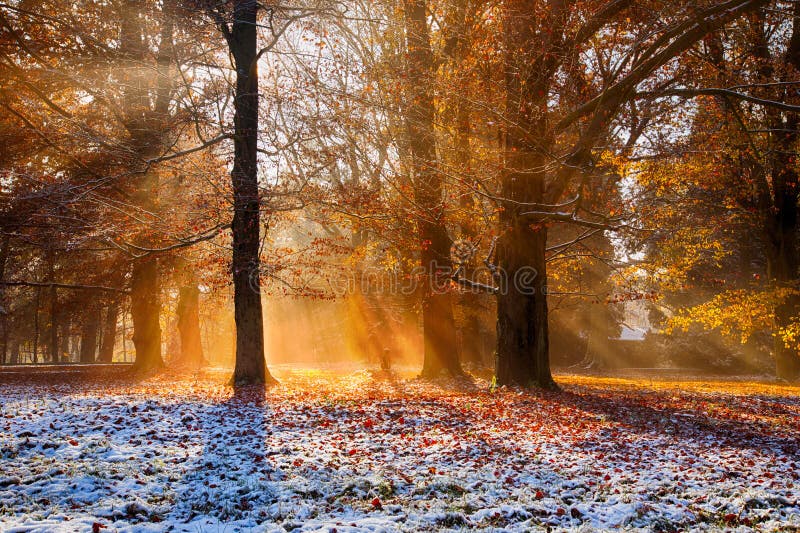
<point>97,526</point>
<point>591,432</point>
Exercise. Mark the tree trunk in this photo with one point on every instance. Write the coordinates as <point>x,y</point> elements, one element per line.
<point>36,328</point>
<point>189,327</point>
<point>64,351</point>
<point>599,321</point>
<point>4,340</point>
<point>438,323</point>
<point>89,339</point>
<point>14,351</point>
<point>243,41</point>
<point>782,257</point>
<point>145,313</point>
<point>106,354</point>
<point>53,306</point>
<point>471,302</point>
<point>147,121</point>
<point>471,335</point>
<point>522,331</point>
<point>782,254</point>
<point>4,311</point>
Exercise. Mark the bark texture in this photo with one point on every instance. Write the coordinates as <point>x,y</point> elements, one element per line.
<point>243,42</point>
<point>522,329</point>
<point>89,339</point>
<point>779,201</point>
<point>145,314</point>
<point>106,354</point>
<point>147,121</point>
<point>5,247</point>
<point>438,322</point>
<point>188,313</point>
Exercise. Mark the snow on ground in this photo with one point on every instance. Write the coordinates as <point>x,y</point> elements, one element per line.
<point>359,451</point>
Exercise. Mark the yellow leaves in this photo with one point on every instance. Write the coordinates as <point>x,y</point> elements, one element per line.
<point>790,335</point>
<point>686,249</point>
<point>738,314</point>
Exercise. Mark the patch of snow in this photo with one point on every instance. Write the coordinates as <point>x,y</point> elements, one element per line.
<point>362,455</point>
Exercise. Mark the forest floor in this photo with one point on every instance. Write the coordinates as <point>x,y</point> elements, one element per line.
<point>365,451</point>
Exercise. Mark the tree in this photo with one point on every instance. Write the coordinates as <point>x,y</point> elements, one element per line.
<point>438,324</point>
<point>549,142</point>
<point>242,38</point>
<point>742,187</point>
<point>86,192</point>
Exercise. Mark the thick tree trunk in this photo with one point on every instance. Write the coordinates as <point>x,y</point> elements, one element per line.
<point>522,331</point>
<point>782,258</point>
<point>440,337</point>
<point>469,303</point>
<point>250,363</point>
<point>145,312</point>
<point>439,328</point>
<point>188,313</point>
<point>147,121</point>
<point>106,354</point>
<point>89,339</point>
<point>778,185</point>
<point>787,360</point>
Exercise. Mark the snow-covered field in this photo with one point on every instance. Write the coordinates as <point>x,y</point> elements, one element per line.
<point>354,451</point>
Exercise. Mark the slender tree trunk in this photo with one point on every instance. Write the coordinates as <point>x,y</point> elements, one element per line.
<point>438,323</point>
<point>89,338</point>
<point>597,343</point>
<point>188,312</point>
<point>471,337</point>
<point>4,340</point>
<point>54,318</point>
<point>106,354</point>
<point>66,327</point>
<point>4,310</point>
<point>243,41</point>
<point>14,351</point>
<point>124,336</point>
<point>469,301</point>
<point>36,325</point>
